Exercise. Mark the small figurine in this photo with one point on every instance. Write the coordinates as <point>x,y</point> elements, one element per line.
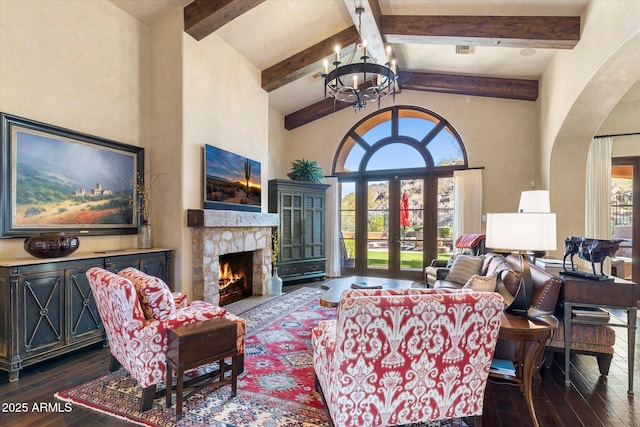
<point>593,250</point>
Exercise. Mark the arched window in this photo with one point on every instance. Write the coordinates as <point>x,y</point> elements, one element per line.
<point>395,168</point>
<point>400,138</point>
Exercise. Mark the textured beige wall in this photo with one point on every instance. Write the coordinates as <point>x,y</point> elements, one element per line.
<point>625,118</point>
<point>278,165</point>
<point>498,134</point>
<point>626,146</point>
<point>223,105</point>
<point>577,92</point>
<point>166,156</point>
<point>78,65</point>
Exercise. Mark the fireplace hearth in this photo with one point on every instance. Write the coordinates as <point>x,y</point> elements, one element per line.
<point>235,276</point>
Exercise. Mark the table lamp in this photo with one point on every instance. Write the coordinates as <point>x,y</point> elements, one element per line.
<point>534,201</point>
<point>521,232</point>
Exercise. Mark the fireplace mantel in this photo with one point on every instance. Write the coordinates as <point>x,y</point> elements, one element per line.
<point>220,232</point>
<point>217,218</point>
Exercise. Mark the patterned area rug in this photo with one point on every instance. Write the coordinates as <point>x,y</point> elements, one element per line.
<point>276,389</point>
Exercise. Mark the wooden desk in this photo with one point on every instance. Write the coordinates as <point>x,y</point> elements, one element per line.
<point>531,337</point>
<point>619,294</point>
<point>335,287</point>
<point>197,344</point>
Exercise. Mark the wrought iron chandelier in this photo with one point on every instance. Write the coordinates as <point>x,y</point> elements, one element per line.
<point>343,82</point>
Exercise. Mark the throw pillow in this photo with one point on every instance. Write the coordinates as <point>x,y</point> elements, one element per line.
<point>481,283</point>
<point>154,295</point>
<point>464,266</point>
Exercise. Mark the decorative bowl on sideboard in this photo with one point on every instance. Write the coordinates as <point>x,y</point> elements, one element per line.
<point>51,245</point>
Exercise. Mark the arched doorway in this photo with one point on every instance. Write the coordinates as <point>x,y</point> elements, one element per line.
<point>395,169</point>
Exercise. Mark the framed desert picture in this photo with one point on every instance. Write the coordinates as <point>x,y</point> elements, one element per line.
<point>55,179</point>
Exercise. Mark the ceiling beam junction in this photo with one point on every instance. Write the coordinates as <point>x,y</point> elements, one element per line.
<point>203,17</point>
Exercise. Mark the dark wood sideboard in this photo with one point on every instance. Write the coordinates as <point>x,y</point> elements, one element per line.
<point>47,308</point>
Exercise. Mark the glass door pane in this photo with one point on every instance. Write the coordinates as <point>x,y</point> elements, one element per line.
<point>622,216</point>
<point>348,223</point>
<point>411,224</point>
<point>445,217</point>
<point>378,224</point>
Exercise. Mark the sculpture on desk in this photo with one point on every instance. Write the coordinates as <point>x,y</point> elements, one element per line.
<point>593,250</point>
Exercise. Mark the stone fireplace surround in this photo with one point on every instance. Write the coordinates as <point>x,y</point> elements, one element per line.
<point>219,232</point>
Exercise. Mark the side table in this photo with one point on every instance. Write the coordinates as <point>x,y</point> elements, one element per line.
<point>618,294</point>
<point>197,344</point>
<point>531,336</point>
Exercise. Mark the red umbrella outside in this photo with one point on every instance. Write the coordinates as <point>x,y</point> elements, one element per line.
<point>404,210</point>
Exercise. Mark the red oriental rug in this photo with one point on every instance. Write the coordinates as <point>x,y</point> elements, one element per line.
<point>276,389</point>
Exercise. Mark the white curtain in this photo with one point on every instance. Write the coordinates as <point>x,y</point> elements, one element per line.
<point>467,195</point>
<point>332,227</point>
<point>598,192</point>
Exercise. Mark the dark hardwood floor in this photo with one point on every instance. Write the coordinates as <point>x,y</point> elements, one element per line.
<point>591,400</point>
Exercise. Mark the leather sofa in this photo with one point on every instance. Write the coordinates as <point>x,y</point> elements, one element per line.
<point>546,286</point>
<point>594,340</point>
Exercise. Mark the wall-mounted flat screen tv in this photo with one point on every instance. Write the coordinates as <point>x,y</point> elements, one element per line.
<point>231,181</point>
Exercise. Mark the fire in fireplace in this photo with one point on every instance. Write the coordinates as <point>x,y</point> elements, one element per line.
<point>235,276</point>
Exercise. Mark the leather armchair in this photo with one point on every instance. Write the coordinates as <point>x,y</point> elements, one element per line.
<point>405,356</point>
<point>137,342</point>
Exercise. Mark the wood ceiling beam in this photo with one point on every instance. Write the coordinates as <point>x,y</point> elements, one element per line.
<point>493,87</point>
<point>308,61</point>
<point>313,112</point>
<point>203,17</point>
<point>554,32</point>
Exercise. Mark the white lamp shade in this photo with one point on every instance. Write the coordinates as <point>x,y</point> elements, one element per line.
<point>534,201</point>
<point>522,231</point>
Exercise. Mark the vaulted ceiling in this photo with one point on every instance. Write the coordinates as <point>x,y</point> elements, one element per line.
<point>287,40</point>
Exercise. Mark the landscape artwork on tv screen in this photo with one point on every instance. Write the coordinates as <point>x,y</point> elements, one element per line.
<point>231,181</point>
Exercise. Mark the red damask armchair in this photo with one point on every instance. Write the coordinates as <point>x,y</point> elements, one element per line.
<point>137,310</point>
<point>405,356</point>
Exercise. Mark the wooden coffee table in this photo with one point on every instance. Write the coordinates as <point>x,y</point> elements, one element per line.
<point>335,287</point>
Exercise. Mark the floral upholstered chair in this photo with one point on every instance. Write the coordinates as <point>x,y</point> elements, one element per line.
<point>137,310</point>
<point>404,356</point>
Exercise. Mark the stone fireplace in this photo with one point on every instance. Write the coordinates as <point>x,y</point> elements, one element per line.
<point>220,232</point>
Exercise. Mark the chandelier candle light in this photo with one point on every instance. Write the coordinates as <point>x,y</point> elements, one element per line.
<point>343,82</point>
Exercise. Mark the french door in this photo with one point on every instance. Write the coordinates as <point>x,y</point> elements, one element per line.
<point>625,212</point>
<point>392,226</point>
